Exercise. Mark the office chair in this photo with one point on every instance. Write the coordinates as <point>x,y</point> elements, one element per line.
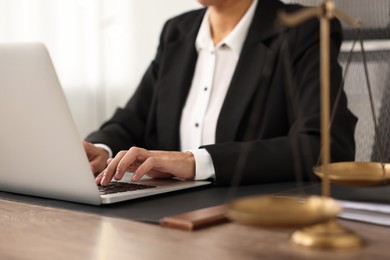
<point>375,17</point>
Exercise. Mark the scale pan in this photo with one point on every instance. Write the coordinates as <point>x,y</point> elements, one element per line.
<point>277,211</point>
<point>360,174</point>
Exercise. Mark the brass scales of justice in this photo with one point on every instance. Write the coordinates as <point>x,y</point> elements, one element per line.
<point>316,215</point>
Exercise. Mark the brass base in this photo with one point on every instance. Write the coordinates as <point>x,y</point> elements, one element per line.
<point>328,235</point>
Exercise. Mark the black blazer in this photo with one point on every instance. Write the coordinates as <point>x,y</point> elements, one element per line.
<point>268,122</point>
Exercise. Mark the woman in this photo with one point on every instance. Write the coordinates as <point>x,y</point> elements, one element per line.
<point>217,91</point>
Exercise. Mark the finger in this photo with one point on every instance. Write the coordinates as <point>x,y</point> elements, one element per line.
<point>110,170</point>
<point>129,161</point>
<point>98,178</point>
<point>97,164</point>
<point>148,165</point>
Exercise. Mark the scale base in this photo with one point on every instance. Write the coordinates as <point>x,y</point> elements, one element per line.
<point>328,235</point>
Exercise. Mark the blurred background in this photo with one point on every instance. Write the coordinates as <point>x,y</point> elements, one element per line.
<point>100,48</point>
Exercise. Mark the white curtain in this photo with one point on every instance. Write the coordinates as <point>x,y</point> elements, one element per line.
<point>100,48</point>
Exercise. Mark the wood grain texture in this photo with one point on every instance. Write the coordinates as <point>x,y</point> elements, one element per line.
<point>36,232</point>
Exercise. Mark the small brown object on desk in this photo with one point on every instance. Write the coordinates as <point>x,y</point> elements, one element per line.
<point>196,219</point>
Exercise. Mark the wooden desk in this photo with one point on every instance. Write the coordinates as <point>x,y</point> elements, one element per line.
<point>36,232</point>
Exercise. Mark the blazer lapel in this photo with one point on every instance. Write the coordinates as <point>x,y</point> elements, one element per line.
<point>253,66</point>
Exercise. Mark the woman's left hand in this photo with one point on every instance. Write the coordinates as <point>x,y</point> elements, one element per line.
<point>155,164</point>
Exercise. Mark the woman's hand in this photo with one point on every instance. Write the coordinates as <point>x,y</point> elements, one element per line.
<point>97,157</point>
<point>155,164</point>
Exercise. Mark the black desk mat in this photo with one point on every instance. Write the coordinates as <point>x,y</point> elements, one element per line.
<point>152,209</point>
<point>375,194</point>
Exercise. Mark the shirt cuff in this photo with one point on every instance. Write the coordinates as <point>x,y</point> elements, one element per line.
<point>105,147</point>
<point>204,167</point>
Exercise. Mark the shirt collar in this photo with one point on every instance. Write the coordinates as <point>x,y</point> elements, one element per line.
<point>235,39</point>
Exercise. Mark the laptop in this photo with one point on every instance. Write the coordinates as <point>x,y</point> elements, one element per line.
<point>41,153</point>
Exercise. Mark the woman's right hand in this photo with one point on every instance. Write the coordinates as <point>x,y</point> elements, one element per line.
<point>97,157</point>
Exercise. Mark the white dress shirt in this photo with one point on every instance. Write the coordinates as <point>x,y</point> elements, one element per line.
<point>213,72</point>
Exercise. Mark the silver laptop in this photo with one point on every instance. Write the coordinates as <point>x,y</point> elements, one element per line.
<point>40,149</point>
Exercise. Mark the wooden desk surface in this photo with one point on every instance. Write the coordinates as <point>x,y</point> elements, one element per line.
<point>36,232</point>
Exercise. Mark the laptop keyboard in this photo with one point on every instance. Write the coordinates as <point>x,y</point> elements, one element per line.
<point>115,187</point>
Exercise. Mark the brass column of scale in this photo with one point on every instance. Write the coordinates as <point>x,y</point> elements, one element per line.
<point>316,214</point>
<point>328,234</point>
